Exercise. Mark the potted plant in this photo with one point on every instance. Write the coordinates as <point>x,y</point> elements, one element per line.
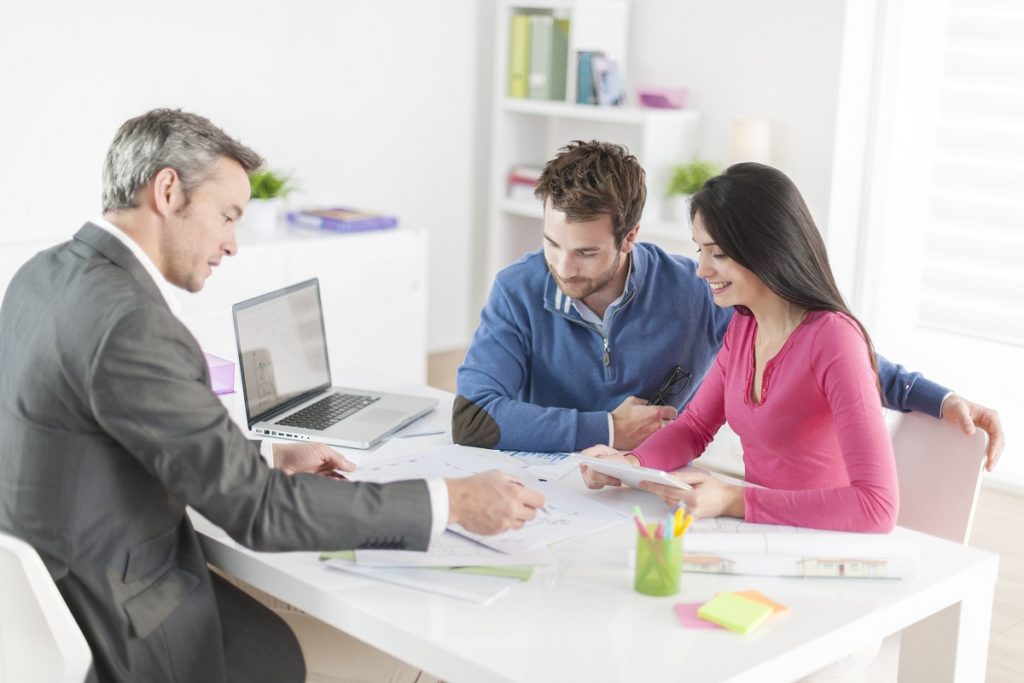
<point>269,189</point>
<point>686,179</point>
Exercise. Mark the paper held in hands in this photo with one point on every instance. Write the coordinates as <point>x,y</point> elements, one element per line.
<point>631,475</point>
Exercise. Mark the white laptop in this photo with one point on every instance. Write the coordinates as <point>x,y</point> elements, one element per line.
<point>286,376</point>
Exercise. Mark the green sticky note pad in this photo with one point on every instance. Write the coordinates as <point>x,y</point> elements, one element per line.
<point>734,612</point>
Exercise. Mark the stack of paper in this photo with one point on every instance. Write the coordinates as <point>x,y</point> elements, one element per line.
<point>480,589</point>
<point>732,546</point>
<point>478,568</point>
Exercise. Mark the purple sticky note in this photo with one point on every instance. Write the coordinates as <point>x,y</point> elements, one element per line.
<point>687,613</point>
<point>222,374</point>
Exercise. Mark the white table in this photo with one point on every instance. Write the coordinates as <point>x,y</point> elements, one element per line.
<point>581,619</point>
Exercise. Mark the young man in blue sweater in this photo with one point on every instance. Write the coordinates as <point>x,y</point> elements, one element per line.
<point>600,339</point>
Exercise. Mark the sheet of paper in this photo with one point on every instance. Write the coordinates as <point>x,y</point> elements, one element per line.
<point>725,545</point>
<point>566,514</point>
<point>548,466</point>
<point>799,565</point>
<point>731,535</point>
<point>452,550</point>
<point>472,587</point>
<point>438,461</point>
<point>420,427</point>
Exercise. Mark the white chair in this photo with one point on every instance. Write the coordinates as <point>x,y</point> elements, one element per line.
<point>39,639</point>
<point>939,470</point>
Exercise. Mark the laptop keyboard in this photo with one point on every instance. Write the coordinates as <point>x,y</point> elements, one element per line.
<point>327,411</point>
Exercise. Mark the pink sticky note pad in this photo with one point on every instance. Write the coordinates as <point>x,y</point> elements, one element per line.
<point>687,613</point>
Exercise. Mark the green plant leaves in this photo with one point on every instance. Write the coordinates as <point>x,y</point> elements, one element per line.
<point>689,178</point>
<point>268,185</point>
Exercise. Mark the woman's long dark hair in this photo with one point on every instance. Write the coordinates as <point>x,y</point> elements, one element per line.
<point>756,216</point>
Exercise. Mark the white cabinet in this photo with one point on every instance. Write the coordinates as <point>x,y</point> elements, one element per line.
<point>527,131</point>
<point>372,285</point>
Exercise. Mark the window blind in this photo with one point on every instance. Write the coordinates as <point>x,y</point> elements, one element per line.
<point>974,254</point>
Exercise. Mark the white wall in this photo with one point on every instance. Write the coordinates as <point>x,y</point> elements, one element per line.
<point>778,60</point>
<point>382,104</point>
<point>370,103</point>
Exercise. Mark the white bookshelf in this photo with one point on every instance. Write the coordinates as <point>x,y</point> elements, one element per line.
<point>531,132</point>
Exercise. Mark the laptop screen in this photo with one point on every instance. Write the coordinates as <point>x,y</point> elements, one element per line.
<point>282,347</point>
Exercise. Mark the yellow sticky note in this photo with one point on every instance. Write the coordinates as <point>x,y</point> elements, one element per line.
<point>758,596</point>
<point>734,612</point>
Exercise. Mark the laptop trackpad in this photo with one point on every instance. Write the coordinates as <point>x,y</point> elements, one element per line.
<point>382,416</point>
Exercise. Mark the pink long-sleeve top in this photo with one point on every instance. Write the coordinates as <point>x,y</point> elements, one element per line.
<point>817,441</point>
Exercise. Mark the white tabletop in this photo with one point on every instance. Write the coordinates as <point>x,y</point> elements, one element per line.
<point>581,620</point>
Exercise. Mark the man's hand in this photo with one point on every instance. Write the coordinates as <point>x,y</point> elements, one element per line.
<point>310,457</point>
<point>710,497</point>
<point>594,479</point>
<point>634,420</point>
<point>491,502</point>
<point>968,415</point>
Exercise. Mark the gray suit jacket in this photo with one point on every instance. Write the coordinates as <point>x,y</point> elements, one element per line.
<point>108,429</point>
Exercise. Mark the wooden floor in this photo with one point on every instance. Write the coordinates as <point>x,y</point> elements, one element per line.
<point>998,527</point>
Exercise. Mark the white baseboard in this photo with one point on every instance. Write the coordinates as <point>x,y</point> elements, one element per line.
<point>1003,484</point>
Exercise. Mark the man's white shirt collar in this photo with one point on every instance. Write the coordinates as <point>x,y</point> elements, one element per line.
<point>165,287</point>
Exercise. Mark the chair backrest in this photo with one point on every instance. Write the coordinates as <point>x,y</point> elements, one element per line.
<point>39,639</point>
<point>939,470</point>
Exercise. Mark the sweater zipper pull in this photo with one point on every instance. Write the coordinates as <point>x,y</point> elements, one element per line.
<point>607,355</point>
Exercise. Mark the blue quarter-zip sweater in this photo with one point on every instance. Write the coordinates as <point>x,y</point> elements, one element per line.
<point>537,377</point>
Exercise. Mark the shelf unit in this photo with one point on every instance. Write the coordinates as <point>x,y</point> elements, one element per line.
<point>526,131</point>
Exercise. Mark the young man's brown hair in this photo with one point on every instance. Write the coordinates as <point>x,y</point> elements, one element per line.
<point>586,180</point>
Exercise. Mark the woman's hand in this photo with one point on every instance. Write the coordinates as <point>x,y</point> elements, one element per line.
<point>597,480</point>
<point>710,497</point>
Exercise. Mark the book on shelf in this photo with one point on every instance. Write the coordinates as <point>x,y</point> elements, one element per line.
<point>559,60</point>
<point>341,219</point>
<point>608,88</point>
<point>585,77</point>
<point>522,180</point>
<point>542,30</point>
<point>538,56</point>
<point>518,55</point>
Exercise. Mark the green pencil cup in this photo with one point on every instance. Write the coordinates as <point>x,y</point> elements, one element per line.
<point>659,564</point>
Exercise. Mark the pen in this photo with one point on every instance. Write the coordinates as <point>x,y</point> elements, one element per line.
<point>642,528</point>
<point>542,508</point>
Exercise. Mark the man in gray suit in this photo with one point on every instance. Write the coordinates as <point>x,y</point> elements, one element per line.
<point>108,430</point>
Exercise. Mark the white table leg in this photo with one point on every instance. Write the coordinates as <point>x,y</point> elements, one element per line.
<point>952,645</point>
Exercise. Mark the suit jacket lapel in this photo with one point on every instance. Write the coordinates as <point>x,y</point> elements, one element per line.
<point>114,250</point>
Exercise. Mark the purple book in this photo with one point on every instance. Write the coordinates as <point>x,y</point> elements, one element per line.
<point>341,219</point>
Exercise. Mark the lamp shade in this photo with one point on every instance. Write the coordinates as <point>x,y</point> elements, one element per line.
<point>751,141</point>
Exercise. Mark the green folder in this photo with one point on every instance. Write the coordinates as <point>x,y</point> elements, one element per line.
<point>559,59</point>
<point>734,612</point>
<point>518,55</point>
<point>542,36</point>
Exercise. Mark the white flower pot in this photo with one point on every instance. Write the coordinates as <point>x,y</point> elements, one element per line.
<point>679,209</point>
<point>262,216</point>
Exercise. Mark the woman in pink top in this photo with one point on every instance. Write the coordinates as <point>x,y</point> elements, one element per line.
<point>795,377</point>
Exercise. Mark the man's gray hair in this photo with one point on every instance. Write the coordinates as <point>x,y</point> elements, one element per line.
<point>167,138</point>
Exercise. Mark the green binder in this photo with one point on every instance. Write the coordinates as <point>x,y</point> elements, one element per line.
<point>518,55</point>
